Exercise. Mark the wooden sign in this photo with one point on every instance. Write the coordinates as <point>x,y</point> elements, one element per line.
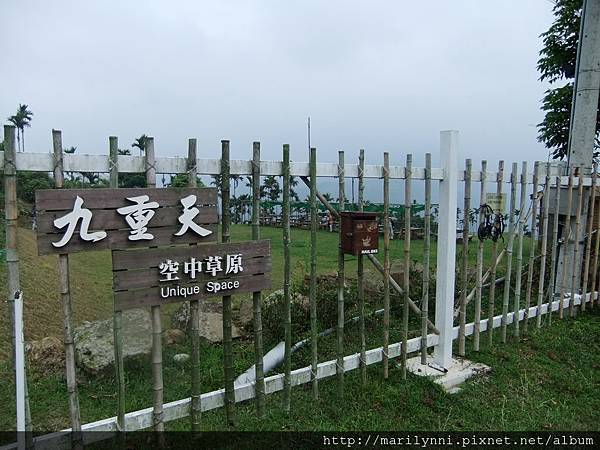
<point>157,276</point>
<point>76,220</point>
<point>495,201</point>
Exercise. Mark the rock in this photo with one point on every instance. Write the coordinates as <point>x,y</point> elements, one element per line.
<point>246,312</point>
<point>47,355</point>
<point>277,296</point>
<point>181,358</point>
<point>211,321</point>
<point>373,285</point>
<point>324,280</point>
<point>174,336</point>
<point>211,327</point>
<point>273,297</point>
<point>181,318</point>
<point>301,300</point>
<point>94,340</point>
<point>397,271</point>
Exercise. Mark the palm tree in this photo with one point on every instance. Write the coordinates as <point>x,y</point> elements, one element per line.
<point>270,189</point>
<point>91,177</point>
<point>236,180</point>
<point>140,143</point>
<point>293,194</point>
<point>243,205</point>
<point>26,116</point>
<point>21,120</point>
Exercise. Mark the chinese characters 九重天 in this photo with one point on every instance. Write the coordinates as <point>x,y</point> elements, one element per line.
<point>137,216</point>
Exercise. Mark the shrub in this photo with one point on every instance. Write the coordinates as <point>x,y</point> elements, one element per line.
<point>29,182</point>
<point>273,316</point>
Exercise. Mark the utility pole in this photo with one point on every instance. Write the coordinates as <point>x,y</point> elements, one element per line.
<point>582,130</point>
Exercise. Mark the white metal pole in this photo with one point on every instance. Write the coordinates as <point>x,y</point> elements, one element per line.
<point>20,367</point>
<point>446,248</point>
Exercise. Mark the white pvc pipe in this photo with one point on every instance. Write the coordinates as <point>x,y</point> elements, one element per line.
<point>272,359</point>
<point>275,356</point>
<point>19,367</point>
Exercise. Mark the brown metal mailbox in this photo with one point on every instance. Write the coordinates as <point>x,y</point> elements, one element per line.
<point>360,233</point>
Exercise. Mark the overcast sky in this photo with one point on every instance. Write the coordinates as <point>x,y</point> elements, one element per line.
<point>382,75</point>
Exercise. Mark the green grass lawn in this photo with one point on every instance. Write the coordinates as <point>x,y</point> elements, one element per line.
<point>548,380</point>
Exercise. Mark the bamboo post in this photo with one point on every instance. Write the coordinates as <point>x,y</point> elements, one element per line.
<point>196,405</point>
<point>386,262</point>
<point>588,242</point>
<point>157,363</point>
<point>313,273</point>
<point>11,213</point>
<point>566,237</point>
<point>533,243</point>
<point>462,315</point>
<point>521,228</point>
<point>113,161</point>
<point>492,299</point>
<point>509,249</point>
<point>544,223</point>
<point>361,276</point>
<point>150,163</point>
<point>426,258</point>
<point>479,278</point>
<point>287,382</point>
<point>227,331</point>
<point>340,280</point>
<point>192,164</point>
<point>113,166</point>
<point>555,247</point>
<point>574,274</point>
<point>65,291</point>
<point>256,296</point>
<point>594,288</point>
<point>407,225</point>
